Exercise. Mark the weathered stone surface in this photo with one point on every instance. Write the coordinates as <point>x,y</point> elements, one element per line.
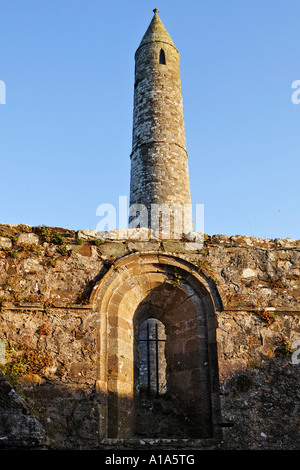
<point>143,246</point>
<point>46,306</point>
<point>5,242</point>
<point>174,246</point>
<point>159,160</point>
<point>72,306</point>
<point>28,239</point>
<point>89,234</point>
<point>112,249</point>
<point>18,426</point>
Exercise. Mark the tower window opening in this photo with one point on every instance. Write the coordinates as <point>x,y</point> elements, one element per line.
<point>152,362</point>
<point>162,57</point>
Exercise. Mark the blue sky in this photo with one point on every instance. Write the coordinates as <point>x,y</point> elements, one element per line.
<point>65,130</point>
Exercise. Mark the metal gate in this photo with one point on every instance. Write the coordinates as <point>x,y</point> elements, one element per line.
<point>152,360</point>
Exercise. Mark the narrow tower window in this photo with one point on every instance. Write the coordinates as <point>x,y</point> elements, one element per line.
<point>152,360</point>
<point>162,57</point>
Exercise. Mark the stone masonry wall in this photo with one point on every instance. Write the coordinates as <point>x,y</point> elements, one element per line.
<point>51,333</point>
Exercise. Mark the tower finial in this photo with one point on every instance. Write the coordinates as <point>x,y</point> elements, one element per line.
<point>155,11</point>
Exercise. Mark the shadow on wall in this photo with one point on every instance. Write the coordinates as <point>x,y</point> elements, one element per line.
<point>18,426</point>
<point>260,407</point>
<point>185,410</point>
<point>260,411</point>
<point>49,416</point>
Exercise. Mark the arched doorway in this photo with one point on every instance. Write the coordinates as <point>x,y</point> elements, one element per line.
<point>170,290</point>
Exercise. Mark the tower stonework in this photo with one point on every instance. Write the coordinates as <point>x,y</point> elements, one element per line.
<point>111,341</point>
<point>159,160</point>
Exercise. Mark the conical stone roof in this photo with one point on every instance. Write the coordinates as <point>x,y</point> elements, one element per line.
<point>156,32</point>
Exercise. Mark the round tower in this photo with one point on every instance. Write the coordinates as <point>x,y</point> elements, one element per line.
<point>159,160</point>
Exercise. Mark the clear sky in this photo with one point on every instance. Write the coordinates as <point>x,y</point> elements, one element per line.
<point>65,130</point>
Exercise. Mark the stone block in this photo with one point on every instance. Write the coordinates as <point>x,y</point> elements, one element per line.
<point>88,234</point>
<point>28,239</point>
<point>139,233</point>
<point>174,246</point>
<point>112,249</point>
<point>5,242</point>
<point>83,250</point>
<point>32,266</point>
<point>248,273</point>
<point>143,246</point>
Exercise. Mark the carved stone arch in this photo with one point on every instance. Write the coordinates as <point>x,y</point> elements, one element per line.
<point>171,289</point>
